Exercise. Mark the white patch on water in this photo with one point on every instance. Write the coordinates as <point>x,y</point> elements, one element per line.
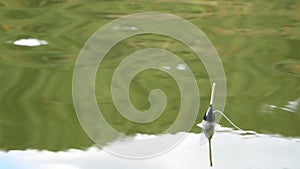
<point>181,67</point>
<point>30,42</point>
<point>291,106</point>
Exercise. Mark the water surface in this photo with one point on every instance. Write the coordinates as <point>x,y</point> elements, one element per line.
<point>258,43</point>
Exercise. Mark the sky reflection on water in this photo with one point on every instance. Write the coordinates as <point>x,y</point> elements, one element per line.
<point>230,150</point>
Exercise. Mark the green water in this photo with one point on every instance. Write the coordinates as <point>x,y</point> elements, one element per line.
<point>258,43</point>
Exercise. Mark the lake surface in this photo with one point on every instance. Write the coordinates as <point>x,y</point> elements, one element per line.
<point>258,43</point>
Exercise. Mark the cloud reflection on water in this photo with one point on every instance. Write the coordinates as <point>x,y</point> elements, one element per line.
<point>252,152</point>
